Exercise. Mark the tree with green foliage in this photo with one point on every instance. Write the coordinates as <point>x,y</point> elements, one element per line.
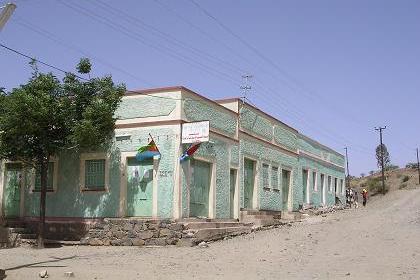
<point>45,116</point>
<point>387,159</point>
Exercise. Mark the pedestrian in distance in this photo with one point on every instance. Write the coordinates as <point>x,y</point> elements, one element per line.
<point>356,199</point>
<point>364,195</point>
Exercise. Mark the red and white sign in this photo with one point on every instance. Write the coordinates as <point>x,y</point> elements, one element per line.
<point>194,132</point>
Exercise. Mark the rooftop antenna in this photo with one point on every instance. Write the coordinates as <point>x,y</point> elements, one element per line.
<point>246,87</point>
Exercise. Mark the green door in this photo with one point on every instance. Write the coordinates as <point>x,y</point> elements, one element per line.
<point>200,188</point>
<point>285,188</point>
<point>248,183</point>
<point>12,189</point>
<point>139,187</point>
<point>232,192</point>
<point>305,185</point>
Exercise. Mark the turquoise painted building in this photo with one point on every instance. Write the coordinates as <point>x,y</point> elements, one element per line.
<point>252,161</point>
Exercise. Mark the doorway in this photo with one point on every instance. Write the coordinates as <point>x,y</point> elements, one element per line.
<point>200,188</point>
<point>232,192</point>
<point>322,189</point>
<point>13,190</point>
<point>139,187</point>
<point>305,177</point>
<point>249,178</point>
<point>285,187</point>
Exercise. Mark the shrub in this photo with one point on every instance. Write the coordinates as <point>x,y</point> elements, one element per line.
<point>374,185</point>
<point>411,165</point>
<point>402,186</point>
<point>405,178</point>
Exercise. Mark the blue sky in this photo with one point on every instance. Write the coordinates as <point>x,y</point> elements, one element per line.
<point>332,69</point>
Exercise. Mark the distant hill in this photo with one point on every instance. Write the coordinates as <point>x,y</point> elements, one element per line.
<point>403,178</point>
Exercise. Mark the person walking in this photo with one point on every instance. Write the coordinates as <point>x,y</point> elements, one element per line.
<point>364,195</point>
<point>356,199</point>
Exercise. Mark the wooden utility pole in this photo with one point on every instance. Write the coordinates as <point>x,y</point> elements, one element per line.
<point>418,163</point>
<point>382,157</point>
<point>348,174</point>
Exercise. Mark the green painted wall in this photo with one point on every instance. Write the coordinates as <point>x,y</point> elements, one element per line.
<point>165,139</point>
<point>150,107</point>
<point>320,167</point>
<point>257,150</point>
<point>251,121</point>
<point>68,201</point>
<point>219,117</point>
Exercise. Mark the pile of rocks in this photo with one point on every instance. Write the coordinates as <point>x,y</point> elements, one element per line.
<point>134,232</point>
<point>322,210</point>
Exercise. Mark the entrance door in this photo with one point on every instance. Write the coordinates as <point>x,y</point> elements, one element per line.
<point>248,183</point>
<point>200,188</point>
<point>12,189</point>
<point>232,192</point>
<point>285,188</point>
<point>139,187</point>
<point>323,189</point>
<point>305,185</point>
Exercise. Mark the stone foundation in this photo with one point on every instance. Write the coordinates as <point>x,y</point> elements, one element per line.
<point>135,232</point>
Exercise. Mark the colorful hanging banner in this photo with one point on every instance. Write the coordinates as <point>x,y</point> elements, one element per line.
<point>148,151</point>
<point>189,152</point>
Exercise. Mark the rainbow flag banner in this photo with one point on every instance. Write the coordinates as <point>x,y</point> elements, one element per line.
<point>189,152</point>
<point>148,151</point>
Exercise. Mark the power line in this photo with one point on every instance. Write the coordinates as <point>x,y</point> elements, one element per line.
<point>269,61</point>
<point>139,38</point>
<point>40,61</point>
<point>166,36</point>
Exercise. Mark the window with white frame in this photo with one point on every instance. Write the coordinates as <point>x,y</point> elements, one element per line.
<point>94,172</point>
<point>275,177</point>
<point>265,176</point>
<point>314,181</point>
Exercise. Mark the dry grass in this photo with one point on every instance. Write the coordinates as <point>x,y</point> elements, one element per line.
<point>395,179</point>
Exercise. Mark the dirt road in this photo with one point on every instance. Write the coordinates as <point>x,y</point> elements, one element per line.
<point>381,241</point>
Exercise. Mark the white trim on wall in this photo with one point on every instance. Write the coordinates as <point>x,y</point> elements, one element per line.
<point>2,188</point>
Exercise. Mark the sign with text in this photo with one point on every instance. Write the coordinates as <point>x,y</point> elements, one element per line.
<point>194,132</point>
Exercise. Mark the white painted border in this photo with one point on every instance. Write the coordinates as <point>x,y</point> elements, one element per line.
<point>236,198</point>
<point>2,188</point>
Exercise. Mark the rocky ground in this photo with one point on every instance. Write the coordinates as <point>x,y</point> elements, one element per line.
<point>380,241</point>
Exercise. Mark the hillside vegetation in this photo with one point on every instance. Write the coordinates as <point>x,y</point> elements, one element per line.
<point>403,178</point>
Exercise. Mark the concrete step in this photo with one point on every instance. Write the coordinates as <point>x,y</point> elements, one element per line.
<point>291,216</point>
<point>202,225</point>
<point>208,234</point>
<point>27,235</point>
<point>14,224</point>
<point>261,212</point>
<point>267,223</point>
<point>18,230</point>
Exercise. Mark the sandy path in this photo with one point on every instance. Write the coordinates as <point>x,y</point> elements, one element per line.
<point>381,241</point>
